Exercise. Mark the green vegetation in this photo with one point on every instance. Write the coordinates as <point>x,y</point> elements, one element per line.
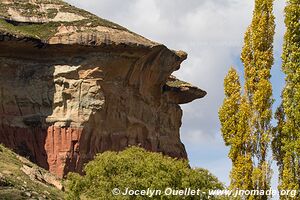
<point>277,139</point>
<point>15,184</point>
<point>233,116</point>
<point>137,169</point>
<point>39,31</point>
<point>27,9</point>
<point>51,13</point>
<point>45,30</point>
<point>257,57</point>
<point>178,83</point>
<point>253,122</point>
<point>286,142</point>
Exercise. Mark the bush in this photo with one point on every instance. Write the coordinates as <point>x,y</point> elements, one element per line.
<point>137,169</point>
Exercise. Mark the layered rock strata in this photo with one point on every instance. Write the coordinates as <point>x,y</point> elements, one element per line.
<point>73,85</point>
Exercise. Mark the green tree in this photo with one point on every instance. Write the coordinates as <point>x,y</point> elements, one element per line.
<point>277,139</point>
<point>246,120</point>
<point>288,129</point>
<point>243,163</point>
<point>233,115</point>
<point>228,113</point>
<point>138,169</point>
<point>257,57</point>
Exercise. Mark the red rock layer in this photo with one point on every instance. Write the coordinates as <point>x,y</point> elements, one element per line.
<point>55,149</point>
<point>63,150</point>
<point>62,147</point>
<point>26,142</point>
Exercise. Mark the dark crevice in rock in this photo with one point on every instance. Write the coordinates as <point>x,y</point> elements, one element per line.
<point>16,23</point>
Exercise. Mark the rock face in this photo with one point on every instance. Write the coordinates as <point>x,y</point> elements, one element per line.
<point>73,85</point>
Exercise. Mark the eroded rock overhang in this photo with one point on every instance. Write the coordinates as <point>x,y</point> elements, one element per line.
<point>81,90</point>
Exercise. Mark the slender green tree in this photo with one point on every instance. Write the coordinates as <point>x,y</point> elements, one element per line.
<point>233,116</point>
<point>228,113</point>
<point>257,57</point>
<point>288,129</point>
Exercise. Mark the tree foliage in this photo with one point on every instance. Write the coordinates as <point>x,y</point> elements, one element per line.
<point>137,169</point>
<point>287,133</point>
<point>233,116</point>
<point>277,139</point>
<point>257,57</point>
<point>228,113</point>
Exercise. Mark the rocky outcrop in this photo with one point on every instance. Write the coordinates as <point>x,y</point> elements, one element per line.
<point>74,86</point>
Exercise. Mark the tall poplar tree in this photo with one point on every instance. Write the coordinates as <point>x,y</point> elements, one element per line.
<point>257,57</point>
<point>233,116</point>
<point>249,132</point>
<point>288,129</point>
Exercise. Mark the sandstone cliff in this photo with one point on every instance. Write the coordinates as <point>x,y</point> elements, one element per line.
<point>73,85</point>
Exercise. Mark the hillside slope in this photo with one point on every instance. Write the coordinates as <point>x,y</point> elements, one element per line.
<point>21,179</point>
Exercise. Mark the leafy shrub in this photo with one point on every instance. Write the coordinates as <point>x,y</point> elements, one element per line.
<point>137,169</point>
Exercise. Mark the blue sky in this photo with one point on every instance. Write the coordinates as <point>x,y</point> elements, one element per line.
<point>211,32</point>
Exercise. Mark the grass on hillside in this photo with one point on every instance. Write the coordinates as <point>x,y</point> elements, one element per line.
<point>38,31</point>
<point>15,184</point>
